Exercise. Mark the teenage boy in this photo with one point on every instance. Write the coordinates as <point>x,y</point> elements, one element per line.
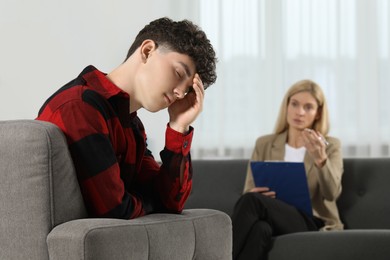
<point>169,65</point>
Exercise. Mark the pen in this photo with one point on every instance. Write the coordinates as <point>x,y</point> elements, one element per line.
<point>321,138</point>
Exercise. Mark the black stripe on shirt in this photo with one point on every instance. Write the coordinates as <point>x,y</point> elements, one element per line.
<point>70,84</point>
<point>92,155</point>
<point>123,210</point>
<point>99,103</point>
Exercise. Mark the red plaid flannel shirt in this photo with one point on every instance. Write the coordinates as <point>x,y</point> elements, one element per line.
<point>118,175</point>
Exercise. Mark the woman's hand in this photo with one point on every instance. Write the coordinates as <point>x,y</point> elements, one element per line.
<point>315,145</point>
<point>265,191</point>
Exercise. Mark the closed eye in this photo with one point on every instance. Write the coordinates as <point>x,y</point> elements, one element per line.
<point>179,74</point>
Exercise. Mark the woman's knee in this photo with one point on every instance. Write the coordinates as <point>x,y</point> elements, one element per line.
<point>250,198</point>
<point>249,202</point>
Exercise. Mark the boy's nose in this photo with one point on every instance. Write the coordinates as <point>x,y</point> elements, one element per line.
<point>179,93</point>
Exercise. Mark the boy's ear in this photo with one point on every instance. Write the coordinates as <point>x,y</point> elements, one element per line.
<point>147,47</point>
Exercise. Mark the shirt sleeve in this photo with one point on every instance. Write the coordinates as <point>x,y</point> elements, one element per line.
<point>331,173</point>
<point>173,182</point>
<point>95,160</point>
<point>257,155</point>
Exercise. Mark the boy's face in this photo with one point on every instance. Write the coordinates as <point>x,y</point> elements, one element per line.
<point>164,77</point>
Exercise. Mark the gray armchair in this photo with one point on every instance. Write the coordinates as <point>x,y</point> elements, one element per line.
<point>43,215</point>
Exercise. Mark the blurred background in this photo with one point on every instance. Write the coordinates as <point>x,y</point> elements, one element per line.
<point>263,47</point>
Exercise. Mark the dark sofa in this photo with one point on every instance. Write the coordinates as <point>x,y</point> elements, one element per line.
<point>363,205</point>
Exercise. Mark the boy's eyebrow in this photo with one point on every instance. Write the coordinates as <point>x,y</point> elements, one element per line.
<point>186,68</point>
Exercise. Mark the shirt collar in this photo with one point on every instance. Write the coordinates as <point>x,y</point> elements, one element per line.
<point>100,83</point>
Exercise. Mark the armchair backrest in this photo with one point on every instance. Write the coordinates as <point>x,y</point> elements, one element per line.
<point>38,187</point>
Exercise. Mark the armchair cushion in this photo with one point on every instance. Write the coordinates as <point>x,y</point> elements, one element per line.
<point>194,234</point>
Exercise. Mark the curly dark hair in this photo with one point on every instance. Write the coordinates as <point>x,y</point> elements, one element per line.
<point>182,37</point>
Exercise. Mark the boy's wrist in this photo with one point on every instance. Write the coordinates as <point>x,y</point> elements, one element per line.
<point>178,128</point>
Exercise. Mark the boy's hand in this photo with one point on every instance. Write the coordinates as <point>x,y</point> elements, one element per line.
<point>183,112</point>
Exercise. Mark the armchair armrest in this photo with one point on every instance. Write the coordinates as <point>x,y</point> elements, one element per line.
<point>194,234</point>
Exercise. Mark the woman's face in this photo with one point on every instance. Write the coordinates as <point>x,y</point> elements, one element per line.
<point>302,110</point>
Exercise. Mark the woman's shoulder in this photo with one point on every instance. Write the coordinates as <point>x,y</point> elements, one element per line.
<point>266,138</point>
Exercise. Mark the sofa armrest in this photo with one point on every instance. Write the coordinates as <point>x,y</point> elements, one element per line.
<point>194,234</point>
<point>335,245</point>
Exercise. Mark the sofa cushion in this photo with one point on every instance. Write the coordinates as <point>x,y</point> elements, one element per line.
<point>38,187</point>
<point>363,203</point>
<point>217,184</point>
<point>332,245</point>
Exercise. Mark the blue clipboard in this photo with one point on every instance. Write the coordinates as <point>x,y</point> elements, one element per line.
<point>287,179</point>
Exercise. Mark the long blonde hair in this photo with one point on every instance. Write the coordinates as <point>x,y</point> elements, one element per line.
<point>322,123</point>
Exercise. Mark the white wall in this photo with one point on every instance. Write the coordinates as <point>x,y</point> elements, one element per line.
<point>46,43</point>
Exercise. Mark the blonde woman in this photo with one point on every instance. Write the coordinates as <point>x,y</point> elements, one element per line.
<point>301,135</point>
